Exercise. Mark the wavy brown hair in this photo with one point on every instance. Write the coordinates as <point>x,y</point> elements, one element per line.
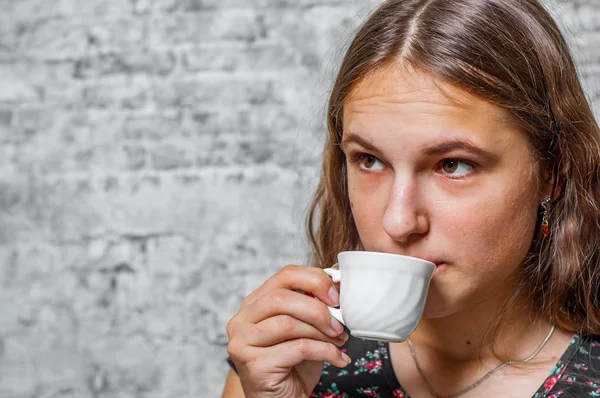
<point>512,54</point>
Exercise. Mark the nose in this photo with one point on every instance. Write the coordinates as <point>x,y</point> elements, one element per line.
<point>405,216</point>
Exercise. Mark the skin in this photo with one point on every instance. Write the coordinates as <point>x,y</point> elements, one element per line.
<point>436,173</point>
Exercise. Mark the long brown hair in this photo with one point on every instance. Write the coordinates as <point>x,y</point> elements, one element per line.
<point>512,54</point>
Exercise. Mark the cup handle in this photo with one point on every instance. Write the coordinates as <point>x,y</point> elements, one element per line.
<point>336,276</point>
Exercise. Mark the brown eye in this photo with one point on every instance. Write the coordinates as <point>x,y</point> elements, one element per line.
<point>369,161</point>
<point>456,168</point>
<point>450,165</point>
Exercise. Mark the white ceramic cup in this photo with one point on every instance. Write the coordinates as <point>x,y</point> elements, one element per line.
<point>382,295</point>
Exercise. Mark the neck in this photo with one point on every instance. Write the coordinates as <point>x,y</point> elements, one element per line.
<point>470,335</point>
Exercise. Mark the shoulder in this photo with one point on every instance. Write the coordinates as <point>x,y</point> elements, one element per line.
<point>577,373</point>
<point>587,355</point>
<point>586,350</point>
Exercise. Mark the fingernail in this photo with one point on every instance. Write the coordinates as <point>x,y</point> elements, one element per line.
<point>345,357</point>
<point>334,296</point>
<point>343,337</point>
<point>336,326</point>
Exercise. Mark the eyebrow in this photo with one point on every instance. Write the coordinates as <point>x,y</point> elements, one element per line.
<point>439,148</point>
<point>351,137</point>
<point>454,145</point>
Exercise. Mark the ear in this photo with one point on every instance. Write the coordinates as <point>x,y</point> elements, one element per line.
<point>551,182</point>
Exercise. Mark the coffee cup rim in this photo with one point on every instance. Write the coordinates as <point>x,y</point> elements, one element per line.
<point>428,265</point>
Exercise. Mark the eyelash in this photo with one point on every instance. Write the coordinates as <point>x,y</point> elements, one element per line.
<point>359,157</point>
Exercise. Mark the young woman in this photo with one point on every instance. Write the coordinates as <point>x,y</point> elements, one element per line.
<point>458,133</point>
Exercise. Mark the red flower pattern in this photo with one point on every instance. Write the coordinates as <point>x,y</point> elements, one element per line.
<point>550,383</point>
<point>397,393</point>
<point>374,364</point>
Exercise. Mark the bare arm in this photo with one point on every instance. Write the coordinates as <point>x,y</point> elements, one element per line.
<point>233,387</point>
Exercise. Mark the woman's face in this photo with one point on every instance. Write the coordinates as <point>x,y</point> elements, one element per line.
<point>444,176</point>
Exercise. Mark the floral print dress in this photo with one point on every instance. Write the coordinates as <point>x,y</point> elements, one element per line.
<point>576,374</point>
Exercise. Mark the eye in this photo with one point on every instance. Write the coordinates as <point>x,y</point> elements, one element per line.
<point>367,162</point>
<point>455,167</point>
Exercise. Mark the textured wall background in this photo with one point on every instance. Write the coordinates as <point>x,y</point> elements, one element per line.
<point>156,162</point>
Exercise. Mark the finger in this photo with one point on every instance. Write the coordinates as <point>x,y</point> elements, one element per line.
<point>286,302</point>
<point>310,280</point>
<point>293,352</point>
<point>289,354</point>
<point>280,328</point>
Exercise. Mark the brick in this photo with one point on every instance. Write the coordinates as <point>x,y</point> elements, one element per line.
<point>105,158</point>
<point>230,150</point>
<point>9,31</point>
<point>169,254</point>
<point>130,62</point>
<point>46,73</point>
<point>142,7</point>
<point>29,262</point>
<point>58,39</point>
<point>136,157</point>
<point>16,87</point>
<point>212,373</point>
<point>127,364</point>
<point>236,149</point>
<point>587,53</point>
<point>54,38</point>
<point>99,158</point>
<point>140,206</point>
<point>167,321</point>
<point>169,157</point>
<point>8,154</point>
<point>39,80</point>
<point>203,5</point>
<point>6,125</point>
<point>314,32</point>
<point>45,372</point>
<point>155,126</point>
<point>220,25</point>
<point>253,121</point>
<point>215,92</point>
<point>257,245</point>
<point>35,124</point>
<point>118,35</point>
<point>163,5</point>
<point>69,8</point>
<point>590,75</point>
<point>588,16</point>
<point>91,127</point>
<point>90,138</point>
<point>253,57</point>
<point>105,253</point>
<point>119,92</point>
<point>176,376</point>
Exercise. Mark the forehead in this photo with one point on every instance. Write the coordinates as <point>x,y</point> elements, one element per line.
<point>414,95</point>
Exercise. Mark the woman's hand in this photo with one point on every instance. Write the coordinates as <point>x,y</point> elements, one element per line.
<point>279,338</point>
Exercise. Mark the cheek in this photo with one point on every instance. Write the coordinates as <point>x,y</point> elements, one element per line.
<point>368,203</point>
<point>495,231</point>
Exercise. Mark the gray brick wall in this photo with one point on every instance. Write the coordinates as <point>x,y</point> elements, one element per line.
<point>156,162</point>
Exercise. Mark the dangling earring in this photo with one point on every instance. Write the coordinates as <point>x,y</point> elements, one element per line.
<point>546,207</point>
